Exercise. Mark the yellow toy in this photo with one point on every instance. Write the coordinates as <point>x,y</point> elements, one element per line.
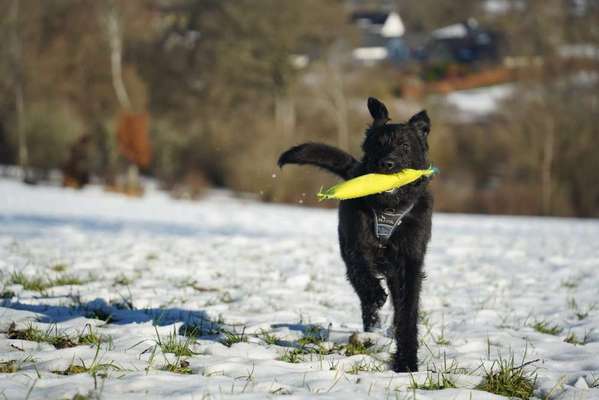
<point>368,184</point>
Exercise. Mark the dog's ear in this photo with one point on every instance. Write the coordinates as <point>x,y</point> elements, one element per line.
<point>379,112</point>
<point>422,123</point>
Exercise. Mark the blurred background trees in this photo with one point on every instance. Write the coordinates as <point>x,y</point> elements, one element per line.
<point>220,87</point>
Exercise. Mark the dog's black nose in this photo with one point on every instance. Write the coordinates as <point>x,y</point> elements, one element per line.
<point>386,165</point>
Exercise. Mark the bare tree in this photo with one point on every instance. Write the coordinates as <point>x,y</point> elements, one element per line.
<point>114,34</point>
<point>17,68</point>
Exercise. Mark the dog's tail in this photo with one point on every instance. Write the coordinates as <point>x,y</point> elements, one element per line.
<point>321,155</point>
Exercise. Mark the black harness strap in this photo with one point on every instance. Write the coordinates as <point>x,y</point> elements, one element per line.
<point>387,221</point>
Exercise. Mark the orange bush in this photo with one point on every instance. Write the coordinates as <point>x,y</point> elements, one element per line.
<point>133,138</point>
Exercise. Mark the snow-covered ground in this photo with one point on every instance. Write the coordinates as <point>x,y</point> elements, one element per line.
<point>471,104</point>
<point>232,268</point>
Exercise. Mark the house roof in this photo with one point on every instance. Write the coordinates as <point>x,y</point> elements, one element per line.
<point>369,17</point>
<point>386,24</point>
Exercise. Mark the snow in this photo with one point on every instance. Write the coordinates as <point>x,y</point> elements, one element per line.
<point>393,27</point>
<point>227,262</point>
<point>476,103</point>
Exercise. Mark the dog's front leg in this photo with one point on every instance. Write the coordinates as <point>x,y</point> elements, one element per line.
<point>404,284</point>
<point>368,287</point>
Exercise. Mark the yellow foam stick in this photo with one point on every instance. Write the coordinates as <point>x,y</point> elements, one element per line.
<point>368,184</point>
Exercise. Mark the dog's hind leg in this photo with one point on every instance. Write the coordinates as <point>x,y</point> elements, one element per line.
<point>371,293</point>
<point>404,285</point>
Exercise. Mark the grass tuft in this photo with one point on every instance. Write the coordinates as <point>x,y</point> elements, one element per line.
<point>38,284</point>
<point>294,356</point>
<point>546,328</point>
<point>268,338</point>
<point>28,283</point>
<point>355,346</point>
<point>33,334</point>
<point>179,346</point>
<point>573,339</point>
<point>436,381</point>
<point>59,267</point>
<point>578,311</point>
<point>571,283</point>
<point>9,367</point>
<point>178,367</point>
<point>122,280</point>
<point>230,338</point>
<point>364,366</point>
<point>504,378</point>
<point>65,280</point>
<point>91,337</point>
<point>95,368</point>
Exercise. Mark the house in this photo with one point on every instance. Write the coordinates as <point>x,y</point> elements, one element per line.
<point>380,37</point>
<point>462,43</point>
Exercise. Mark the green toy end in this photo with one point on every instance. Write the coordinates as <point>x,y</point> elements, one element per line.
<point>323,195</point>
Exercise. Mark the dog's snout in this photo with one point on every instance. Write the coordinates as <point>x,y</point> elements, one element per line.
<point>386,165</point>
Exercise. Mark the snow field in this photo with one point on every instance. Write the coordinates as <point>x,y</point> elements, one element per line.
<point>262,285</point>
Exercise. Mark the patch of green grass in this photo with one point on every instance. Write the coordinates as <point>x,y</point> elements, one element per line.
<point>571,283</point>
<point>179,346</point>
<point>441,340</point>
<point>7,294</point>
<point>436,381</point>
<point>59,267</point>
<point>181,367</point>
<point>33,334</point>
<point>294,356</point>
<point>230,338</point>
<point>268,338</point>
<point>37,284</point>
<point>65,280</point>
<point>424,317</point>
<point>505,378</point>
<point>312,335</point>
<point>122,280</point>
<point>578,311</point>
<point>95,368</point>
<point>356,346</point>
<point>89,337</point>
<point>313,343</point>
<point>28,283</point>
<point>364,366</point>
<point>447,367</point>
<point>573,339</point>
<point>546,328</point>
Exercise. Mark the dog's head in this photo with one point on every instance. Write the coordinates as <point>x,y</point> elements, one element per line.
<point>389,148</point>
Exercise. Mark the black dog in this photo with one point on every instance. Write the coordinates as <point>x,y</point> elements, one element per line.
<point>383,235</point>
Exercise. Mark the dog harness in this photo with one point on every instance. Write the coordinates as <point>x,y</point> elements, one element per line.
<point>387,221</point>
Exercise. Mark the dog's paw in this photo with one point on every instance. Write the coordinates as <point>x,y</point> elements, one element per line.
<point>400,364</point>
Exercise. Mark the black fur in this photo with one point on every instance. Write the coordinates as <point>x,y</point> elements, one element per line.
<point>388,148</point>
